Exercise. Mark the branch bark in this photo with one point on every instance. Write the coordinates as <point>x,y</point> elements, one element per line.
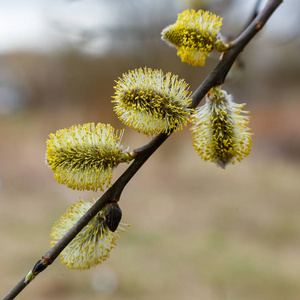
<point>216,77</point>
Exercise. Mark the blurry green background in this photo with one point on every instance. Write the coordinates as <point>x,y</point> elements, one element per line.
<point>197,231</point>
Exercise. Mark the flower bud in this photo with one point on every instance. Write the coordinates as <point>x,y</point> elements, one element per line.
<point>113,216</point>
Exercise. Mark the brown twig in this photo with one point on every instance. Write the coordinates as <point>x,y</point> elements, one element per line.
<point>216,77</point>
<point>254,13</point>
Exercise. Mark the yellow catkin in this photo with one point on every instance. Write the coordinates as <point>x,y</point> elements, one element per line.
<point>83,157</point>
<point>151,102</point>
<point>92,245</point>
<point>194,35</point>
<point>220,132</point>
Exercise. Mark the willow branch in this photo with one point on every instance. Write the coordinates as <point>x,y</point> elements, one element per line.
<point>254,13</point>
<point>216,77</point>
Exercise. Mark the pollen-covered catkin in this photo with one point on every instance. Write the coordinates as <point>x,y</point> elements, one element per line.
<point>220,131</point>
<point>151,102</point>
<point>83,157</point>
<point>92,245</point>
<point>194,35</point>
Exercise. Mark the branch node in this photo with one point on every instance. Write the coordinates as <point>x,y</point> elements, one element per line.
<point>259,25</point>
<point>46,261</point>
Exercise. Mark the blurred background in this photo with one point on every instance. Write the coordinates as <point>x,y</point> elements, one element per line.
<point>197,231</point>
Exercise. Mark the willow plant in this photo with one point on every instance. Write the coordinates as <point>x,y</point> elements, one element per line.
<point>154,103</point>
